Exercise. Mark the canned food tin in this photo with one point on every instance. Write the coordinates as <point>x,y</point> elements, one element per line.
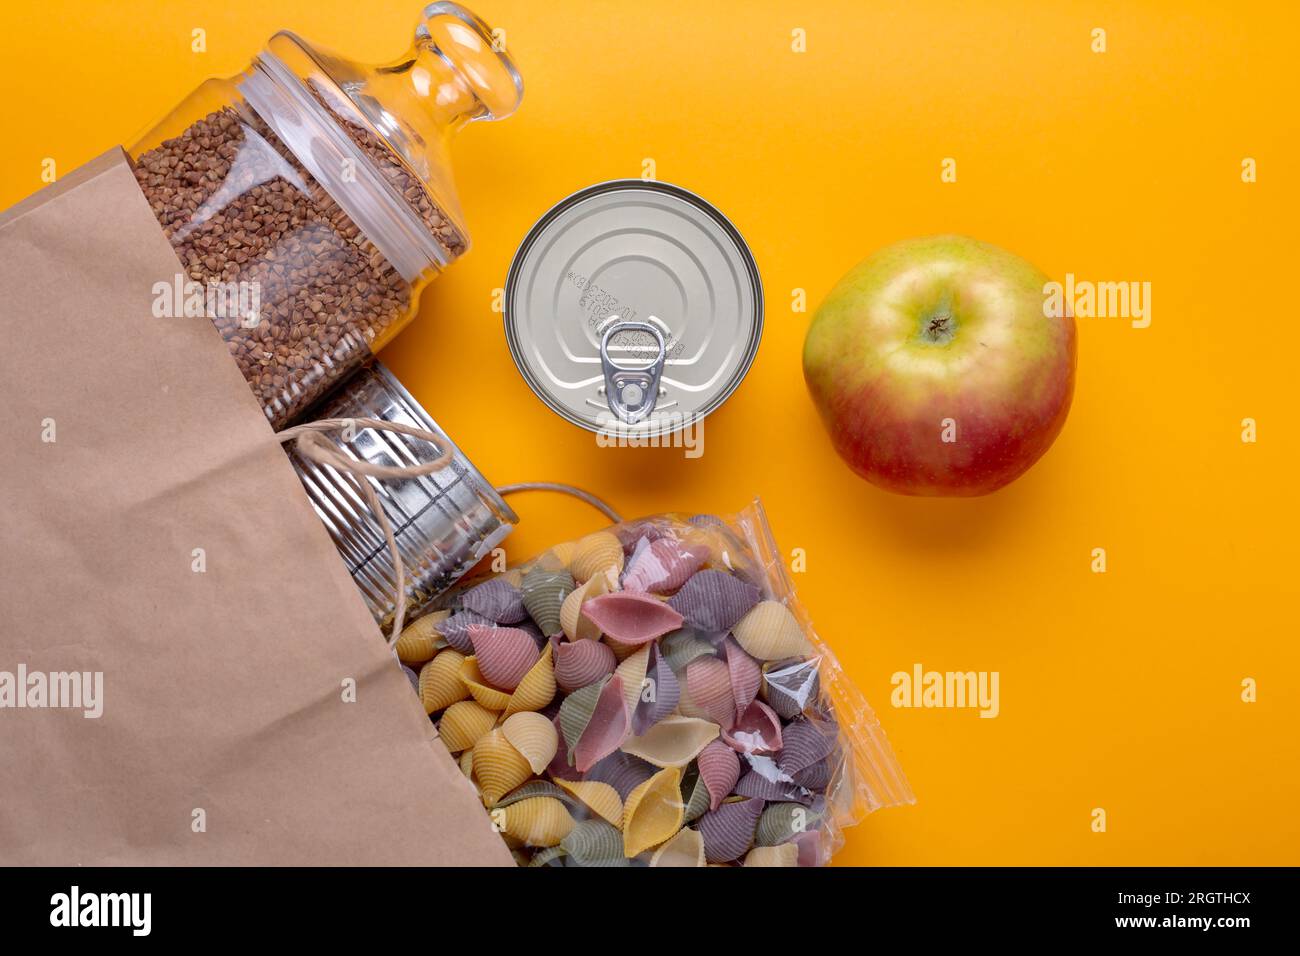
<point>444,523</point>
<point>633,307</point>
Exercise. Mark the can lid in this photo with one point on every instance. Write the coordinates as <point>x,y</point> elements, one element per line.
<point>633,305</point>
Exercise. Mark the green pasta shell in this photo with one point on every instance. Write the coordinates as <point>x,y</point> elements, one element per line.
<point>681,647</point>
<point>576,711</point>
<point>544,592</point>
<point>547,857</point>
<point>594,843</point>
<point>535,788</point>
<point>782,822</point>
<point>695,795</point>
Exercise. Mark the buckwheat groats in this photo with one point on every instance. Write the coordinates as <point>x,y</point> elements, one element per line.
<point>238,207</point>
<point>310,197</point>
<point>652,695</point>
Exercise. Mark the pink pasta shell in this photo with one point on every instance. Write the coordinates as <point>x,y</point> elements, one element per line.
<point>746,675</point>
<point>662,566</point>
<point>630,618</point>
<point>708,687</point>
<point>632,533</point>
<point>758,731</point>
<point>505,654</point>
<point>609,726</point>
<point>579,663</point>
<point>719,769</point>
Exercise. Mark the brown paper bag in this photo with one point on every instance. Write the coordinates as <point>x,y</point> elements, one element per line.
<point>155,533</point>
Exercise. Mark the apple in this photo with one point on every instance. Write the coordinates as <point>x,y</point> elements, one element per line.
<point>936,368</point>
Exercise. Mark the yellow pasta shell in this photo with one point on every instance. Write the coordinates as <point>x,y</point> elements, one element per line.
<point>632,672</point>
<point>533,736</point>
<point>564,553</point>
<point>653,812</point>
<point>537,688</point>
<point>463,723</point>
<point>556,558</point>
<point>787,854</point>
<point>684,849</point>
<point>467,764</point>
<point>419,639</point>
<point>600,798</point>
<point>514,577</point>
<point>594,554</point>
<point>770,632</point>
<point>570,617</point>
<point>489,697</point>
<point>440,683</point>
<point>622,651</point>
<point>572,621</point>
<point>673,742</point>
<point>538,821</point>
<point>498,766</point>
<point>510,840</point>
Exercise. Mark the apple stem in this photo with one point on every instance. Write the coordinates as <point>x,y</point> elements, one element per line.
<point>939,329</point>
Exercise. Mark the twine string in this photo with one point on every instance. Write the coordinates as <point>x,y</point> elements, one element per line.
<point>310,442</point>
<point>572,490</point>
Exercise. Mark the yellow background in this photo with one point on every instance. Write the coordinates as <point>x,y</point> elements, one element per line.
<point>1118,690</point>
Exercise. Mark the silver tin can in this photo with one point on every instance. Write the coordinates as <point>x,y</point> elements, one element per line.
<point>635,307</point>
<point>444,523</point>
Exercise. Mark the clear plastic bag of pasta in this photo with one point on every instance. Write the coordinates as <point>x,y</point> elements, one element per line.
<point>652,694</point>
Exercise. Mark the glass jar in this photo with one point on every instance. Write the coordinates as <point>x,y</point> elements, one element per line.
<point>310,198</point>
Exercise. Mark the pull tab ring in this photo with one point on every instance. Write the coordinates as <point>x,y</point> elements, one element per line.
<point>631,392</point>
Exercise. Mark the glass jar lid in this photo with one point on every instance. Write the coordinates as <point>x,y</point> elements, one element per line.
<point>376,137</point>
